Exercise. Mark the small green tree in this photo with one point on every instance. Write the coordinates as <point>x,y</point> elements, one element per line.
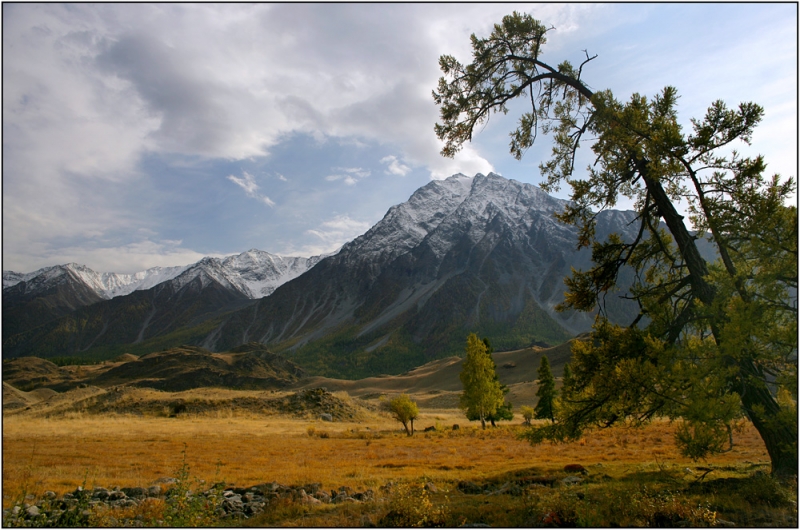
<point>405,411</point>
<point>482,394</point>
<point>546,392</point>
<point>505,411</point>
<point>527,413</point>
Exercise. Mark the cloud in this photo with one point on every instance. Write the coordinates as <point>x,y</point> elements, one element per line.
<point>248,184</point>
<point>125,259</point>
<point>333,233</point>
<point>349,176</point>
<point>395,167</point>
<point>91,92</point>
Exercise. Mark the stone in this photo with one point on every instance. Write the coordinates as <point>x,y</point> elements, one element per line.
<point>154,491</point>
<point>575,468</point>
<point>571,480</point>
<point>33,511</point>
<point>322,496</point>
<point>326,417</point>
<point>469,488</point>
<point>50,495</point>
<point>135,493</point>
<point>723,523</point>
<point>116,495</point>
<point>253,508</point>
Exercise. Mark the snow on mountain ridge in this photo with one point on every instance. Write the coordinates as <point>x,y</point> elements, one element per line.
<point>254,273</point>
<point>406,224</point>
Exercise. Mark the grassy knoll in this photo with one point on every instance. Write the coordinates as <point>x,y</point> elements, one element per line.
<point>635,477</point>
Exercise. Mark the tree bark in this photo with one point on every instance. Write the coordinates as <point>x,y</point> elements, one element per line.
<point>758,402</point>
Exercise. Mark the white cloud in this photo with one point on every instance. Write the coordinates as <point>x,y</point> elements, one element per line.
<point>248,183</point>
<point>92,90</point>
<point>395,166</point>
<point>351,175</point>
<point>125,259</point>
<point>332,234</point>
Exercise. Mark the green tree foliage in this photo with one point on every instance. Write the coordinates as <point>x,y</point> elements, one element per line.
<point>482,394</point>
<point>527,413</point>
<point>505,411</point>
<point>545,407</point>
<point>405,411</point>
<point>714,341</point>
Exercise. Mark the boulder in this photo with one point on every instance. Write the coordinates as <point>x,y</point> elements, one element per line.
<point>576,468</point>
<point>469,488</point>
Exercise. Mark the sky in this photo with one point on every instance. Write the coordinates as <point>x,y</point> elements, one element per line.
<point>141,135</point>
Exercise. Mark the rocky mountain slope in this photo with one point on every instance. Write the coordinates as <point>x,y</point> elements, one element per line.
<point>482,254</point>
<point>464,254</point>
<point>69,309</point>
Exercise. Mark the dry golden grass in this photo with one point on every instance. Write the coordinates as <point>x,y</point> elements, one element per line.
<point>42,454</point>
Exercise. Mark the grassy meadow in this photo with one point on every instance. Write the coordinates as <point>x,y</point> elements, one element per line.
<point>629,470</point>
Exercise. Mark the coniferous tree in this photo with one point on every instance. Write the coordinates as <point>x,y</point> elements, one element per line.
<point>714,341</point>
<point>545,409</point>
<point>482,392</point>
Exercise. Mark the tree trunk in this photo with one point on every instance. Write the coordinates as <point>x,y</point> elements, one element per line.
<point>483,423</point>
<point>779,434</point>
<point>405,424</point>
<point>780,437</point>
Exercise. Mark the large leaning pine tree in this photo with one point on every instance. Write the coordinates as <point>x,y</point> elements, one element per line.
<point>714,340</point>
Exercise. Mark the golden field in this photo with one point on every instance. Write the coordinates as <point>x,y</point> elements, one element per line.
<point>58,454</point>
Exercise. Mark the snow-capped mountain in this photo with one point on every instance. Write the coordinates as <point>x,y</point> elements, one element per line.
<point>107,284</point>
<point>481,253</point>
<point>254,273</point>
<point>97,309</point>
<point>466,254</point>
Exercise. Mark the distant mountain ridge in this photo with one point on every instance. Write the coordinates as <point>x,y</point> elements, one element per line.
<point>466,254</point>
<point>68,309</point>
<point>254,273</point>
<point>107,285</point>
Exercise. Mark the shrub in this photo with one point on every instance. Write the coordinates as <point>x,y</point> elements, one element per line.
<point>527,413</point>
<point>410,506</point>
<point>186,509</point>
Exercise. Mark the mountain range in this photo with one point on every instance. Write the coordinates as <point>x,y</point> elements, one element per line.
<point>466,254</point>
